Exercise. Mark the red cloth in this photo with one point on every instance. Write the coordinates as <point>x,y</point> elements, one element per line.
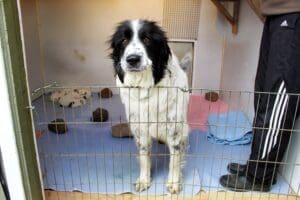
<point>199,109</point>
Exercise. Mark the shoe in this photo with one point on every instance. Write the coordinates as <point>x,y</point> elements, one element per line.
<point>240,169</point>
<point>236,168</point>
<point>242,184</point>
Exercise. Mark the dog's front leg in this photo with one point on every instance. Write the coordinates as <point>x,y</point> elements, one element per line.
<point>177,151</point>
<point>144,147</point>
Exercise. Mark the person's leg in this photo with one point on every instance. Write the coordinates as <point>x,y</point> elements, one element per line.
<point>275,108</point>
<point>235,168</point>
<point>274,124</point>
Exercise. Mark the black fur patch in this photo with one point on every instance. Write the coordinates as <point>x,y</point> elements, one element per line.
<point>170,73</point>
<point>180,146</point>
<point>143,148</point>
<point>157,48</point>
<point>117,44</point>
<point>71,104</point>
<point>176,147</point>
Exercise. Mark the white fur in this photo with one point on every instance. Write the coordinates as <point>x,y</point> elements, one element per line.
<point>157,112</point>
<point>186,61</point>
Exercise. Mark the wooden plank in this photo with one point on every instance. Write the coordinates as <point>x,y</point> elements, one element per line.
<point>236,12</point>
<point>233,19</point>
<point>223,10</point>
<point>52,195</point>
<point>255,5</point>
<point>10,35</point>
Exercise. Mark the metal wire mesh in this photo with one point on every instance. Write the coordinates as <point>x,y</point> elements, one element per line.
<point>181,18</point>
<point>76,161</point>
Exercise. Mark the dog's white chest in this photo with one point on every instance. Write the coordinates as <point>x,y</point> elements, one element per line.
<point>155,111</point>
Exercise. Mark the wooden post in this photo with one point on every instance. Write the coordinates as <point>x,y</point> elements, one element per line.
<point>232,19</point>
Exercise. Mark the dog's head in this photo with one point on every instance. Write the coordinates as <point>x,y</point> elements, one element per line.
<point>137,46</point>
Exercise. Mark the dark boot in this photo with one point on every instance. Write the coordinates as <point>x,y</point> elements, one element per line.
<point>242,184</point>
<point>236,168</point>
<point>241,169</point>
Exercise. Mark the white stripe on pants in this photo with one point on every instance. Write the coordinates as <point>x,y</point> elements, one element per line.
<point>275,120</point>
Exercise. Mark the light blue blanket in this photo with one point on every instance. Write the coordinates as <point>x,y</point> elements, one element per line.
<point>230,128</point>
<point>88,159</point>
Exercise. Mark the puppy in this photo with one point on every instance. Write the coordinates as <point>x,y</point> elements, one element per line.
<point>153,89</point>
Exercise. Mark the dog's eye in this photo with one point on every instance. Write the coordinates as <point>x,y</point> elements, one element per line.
<point>146,40</point>
<point>124,41</point>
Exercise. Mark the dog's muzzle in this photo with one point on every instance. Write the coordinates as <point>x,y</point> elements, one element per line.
<point>134,62</point>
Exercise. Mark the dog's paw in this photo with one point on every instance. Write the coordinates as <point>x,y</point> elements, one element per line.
<point>174,187</point>
<point>141,185</point>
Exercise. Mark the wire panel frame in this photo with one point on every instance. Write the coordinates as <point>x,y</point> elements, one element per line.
<point>181,18</point>
<point>83,159</point>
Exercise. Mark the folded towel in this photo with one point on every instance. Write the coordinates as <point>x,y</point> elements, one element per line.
<point>230,128</point>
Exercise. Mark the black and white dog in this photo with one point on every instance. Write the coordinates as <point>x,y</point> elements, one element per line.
<point>153,90</point>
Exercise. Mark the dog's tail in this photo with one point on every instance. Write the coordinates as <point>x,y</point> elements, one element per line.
<point>186,61</point>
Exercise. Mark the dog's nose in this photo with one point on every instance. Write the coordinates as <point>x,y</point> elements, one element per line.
<point>133,59</point>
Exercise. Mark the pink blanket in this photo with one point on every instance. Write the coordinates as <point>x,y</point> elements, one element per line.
<point>199,109</point>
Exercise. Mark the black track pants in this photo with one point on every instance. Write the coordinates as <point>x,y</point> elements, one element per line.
<point>276,105</point>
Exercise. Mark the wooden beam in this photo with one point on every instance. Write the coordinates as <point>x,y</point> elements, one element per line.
<point>255,5</point>
<point>220,195</point>
<point>236,12</point>
<point>10,35</point>
<point>232,19</point>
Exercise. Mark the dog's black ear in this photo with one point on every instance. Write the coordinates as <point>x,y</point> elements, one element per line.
<point>116,57</point>
<point>160,50</point>
<point>119,72</point>
<point>164,56</point>
<point>117,48</point>
<point>165,51</point>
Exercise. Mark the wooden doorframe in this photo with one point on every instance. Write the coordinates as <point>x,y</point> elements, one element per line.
<point>15,72</point>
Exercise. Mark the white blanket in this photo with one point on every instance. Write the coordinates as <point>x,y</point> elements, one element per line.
<point>71,97</point>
